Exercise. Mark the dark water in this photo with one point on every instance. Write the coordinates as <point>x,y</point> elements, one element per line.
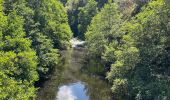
<point>69,82</point>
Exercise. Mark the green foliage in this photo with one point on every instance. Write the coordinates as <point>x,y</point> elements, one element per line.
<point>12,89</point>
<point>120,87</point>
<point>126,7</point>
<point>81,12</point>
<point>45,23</point>
<point>151,38</point>
<point>53,21</point>
<point>73,11</point>
<point>136,49</point>
<point>21,66</point>
<point>47,56</point>
<point>24,26</point>
<point>3,21</point>
<point>131,37</point>
<point>85,16</point>
<point>18,62</point>
<point>99,33</point>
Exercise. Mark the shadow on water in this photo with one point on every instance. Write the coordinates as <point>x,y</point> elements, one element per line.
<point>70,82</point>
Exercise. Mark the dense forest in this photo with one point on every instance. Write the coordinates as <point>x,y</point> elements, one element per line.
<point>31,33</point>
<point>131,38</point>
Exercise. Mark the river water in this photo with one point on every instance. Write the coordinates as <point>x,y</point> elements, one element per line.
<point>70,81</point>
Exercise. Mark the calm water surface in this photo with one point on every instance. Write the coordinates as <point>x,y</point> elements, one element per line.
<point>69,82</point>
<point>73,91</point>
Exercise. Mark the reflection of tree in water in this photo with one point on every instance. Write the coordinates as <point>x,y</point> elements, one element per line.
<point>70,72</point>
<point>96,89</point>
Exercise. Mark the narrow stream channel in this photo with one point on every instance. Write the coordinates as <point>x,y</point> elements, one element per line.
<point>69,82</point>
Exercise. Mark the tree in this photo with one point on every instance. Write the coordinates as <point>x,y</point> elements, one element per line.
<point>135,48</point>
<point>37,28</point>
<point>18,62</point>
<point>86,13</point>
<point>48,57</point>
<point>144,68</point>
<point>100,32</point>
<point>73,11</point>
<point>81,13</point>
<point>53,22</point>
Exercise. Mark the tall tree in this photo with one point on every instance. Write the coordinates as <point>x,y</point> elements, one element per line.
<point>100,33</point>
<point>140,70</point>
<point>85,16</point>
<point>53,22</point>
<point>18,62</point>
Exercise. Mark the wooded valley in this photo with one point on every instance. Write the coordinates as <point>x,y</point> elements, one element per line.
<point>130,37</point>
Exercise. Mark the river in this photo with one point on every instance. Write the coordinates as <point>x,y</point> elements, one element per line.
<point>71,79</point>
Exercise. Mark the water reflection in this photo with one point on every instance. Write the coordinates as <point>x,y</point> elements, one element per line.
<point>66,93</point>
<point>70,82</point>
<point>75,91</point>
